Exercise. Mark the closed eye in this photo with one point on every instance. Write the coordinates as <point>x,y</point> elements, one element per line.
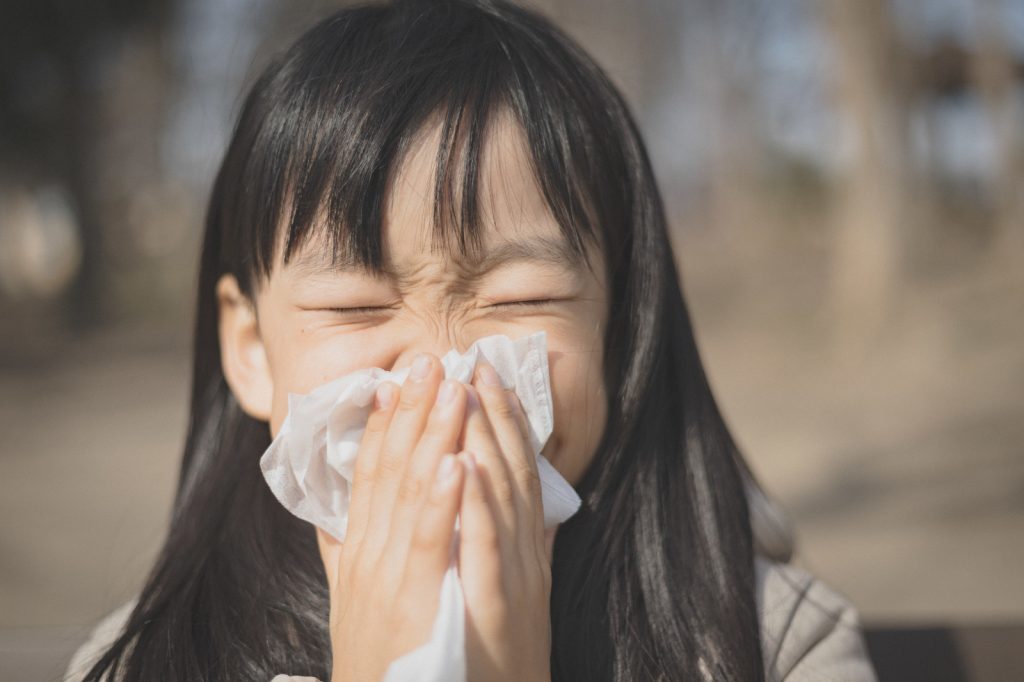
<point>359,310</point>
<point>364,310</point>
<point>531,302</point>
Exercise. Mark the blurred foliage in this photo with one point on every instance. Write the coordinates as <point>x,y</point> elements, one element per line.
<point>51,90</point>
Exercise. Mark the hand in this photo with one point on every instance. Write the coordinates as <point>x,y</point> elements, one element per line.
<point>504,554</point>
<point>385,578</point>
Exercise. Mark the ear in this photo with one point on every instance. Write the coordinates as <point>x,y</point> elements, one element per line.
<point>242,355</point>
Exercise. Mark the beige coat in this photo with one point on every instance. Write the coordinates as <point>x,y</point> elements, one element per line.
<point>809,632</point>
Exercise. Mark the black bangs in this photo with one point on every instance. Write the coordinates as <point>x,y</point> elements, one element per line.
<point>324,129</point>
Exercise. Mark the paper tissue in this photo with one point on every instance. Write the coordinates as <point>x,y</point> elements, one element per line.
<point>310,462</point>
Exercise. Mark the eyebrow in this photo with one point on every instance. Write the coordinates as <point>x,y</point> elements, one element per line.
<point>546,250</point>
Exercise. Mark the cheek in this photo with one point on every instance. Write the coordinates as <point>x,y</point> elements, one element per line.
<point>299,366</point>
<point>580,407</point>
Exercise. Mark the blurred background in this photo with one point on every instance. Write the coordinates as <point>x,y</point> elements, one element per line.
<point>845,180</point>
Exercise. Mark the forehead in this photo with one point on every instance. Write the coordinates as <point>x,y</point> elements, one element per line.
<point>515,222</point>
<point>510,201</point>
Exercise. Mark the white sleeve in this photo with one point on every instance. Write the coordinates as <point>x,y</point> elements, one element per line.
<point>100,639</point>
<point>810,632</point>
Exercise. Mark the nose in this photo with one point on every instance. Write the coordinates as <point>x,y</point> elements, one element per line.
<point>437,344</point>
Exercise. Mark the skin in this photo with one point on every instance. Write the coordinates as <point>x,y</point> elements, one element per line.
<point>296,335</point>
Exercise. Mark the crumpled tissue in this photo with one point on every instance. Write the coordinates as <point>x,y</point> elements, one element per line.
<point>309,467</point>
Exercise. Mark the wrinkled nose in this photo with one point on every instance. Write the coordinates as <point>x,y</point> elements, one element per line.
<point>437,345</point>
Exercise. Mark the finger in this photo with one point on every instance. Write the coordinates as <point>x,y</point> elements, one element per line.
<point>479,438</point>
<point>480,544</point>
<point>430,548</point>
<point>520,414</point>
<point>485,377</point>
<point>440,436</point>
<point>501,406</point>
<point>366,462</point>
<point>414,403</point>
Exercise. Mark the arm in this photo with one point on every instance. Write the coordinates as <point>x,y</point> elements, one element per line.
<point>809,631</point>
<point>100,639</point>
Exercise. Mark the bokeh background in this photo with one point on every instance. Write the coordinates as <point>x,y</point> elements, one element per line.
<point>845,180</point>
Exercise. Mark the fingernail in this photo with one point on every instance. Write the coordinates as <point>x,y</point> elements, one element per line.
<point>384,396</point>
<point>420,368</point>
<point>489,375</point>
<point>447,392</point>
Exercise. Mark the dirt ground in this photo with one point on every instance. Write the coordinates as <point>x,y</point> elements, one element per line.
<point>899,457</point>
<point>899,454</point>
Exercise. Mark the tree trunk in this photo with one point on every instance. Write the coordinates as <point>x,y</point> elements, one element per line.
<point>869,210</point>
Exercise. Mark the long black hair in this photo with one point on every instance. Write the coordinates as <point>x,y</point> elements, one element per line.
<point>654,577</point>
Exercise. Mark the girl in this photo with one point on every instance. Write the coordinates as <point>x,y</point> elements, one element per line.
<point>404,179</point>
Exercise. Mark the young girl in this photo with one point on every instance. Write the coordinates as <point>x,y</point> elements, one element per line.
<point>404,179</point>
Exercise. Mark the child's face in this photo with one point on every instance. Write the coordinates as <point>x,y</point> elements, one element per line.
<point>435,301</point>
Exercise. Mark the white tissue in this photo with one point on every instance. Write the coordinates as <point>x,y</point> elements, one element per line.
<point>309,468</point>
